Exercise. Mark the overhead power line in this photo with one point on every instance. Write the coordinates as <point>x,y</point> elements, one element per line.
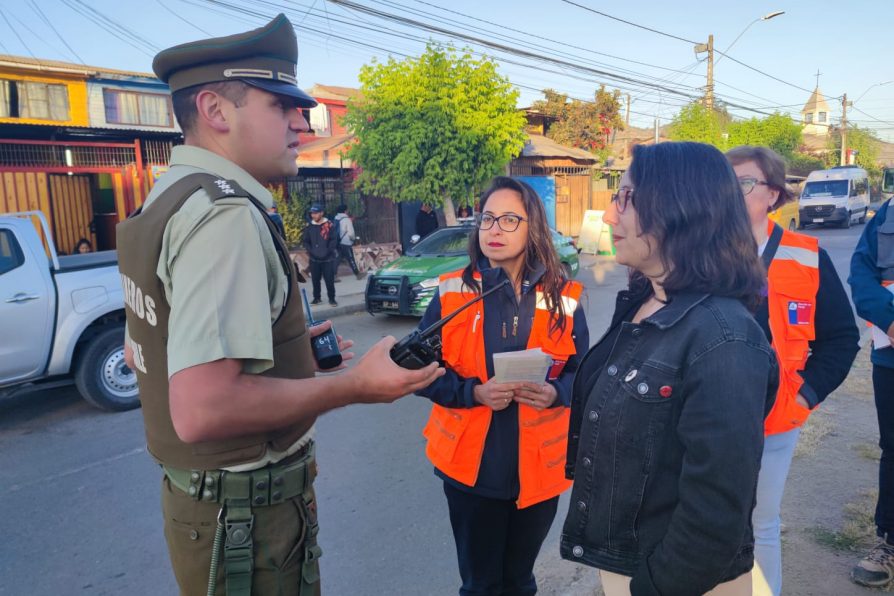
<point>632,24</point>
<point>49,24</point>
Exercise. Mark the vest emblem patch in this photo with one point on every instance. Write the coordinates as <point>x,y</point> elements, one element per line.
<point>799,312</point>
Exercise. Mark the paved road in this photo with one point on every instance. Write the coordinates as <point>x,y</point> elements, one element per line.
<point>80,504</point>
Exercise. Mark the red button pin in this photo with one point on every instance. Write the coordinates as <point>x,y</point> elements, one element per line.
<point>666,390</point>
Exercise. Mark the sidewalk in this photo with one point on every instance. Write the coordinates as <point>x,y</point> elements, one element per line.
<point>349,293</point>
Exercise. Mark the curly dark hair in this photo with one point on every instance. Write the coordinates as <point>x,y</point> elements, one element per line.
<point>688,198</point>
<point>540,249</point>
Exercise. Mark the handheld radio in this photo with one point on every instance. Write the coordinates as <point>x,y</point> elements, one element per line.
<point>325,346</point>
<point>421,348</point>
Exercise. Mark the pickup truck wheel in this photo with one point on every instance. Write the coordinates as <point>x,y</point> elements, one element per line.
<point>102,376</point>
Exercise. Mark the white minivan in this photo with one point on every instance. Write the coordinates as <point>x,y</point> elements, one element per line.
<point>837,196</point>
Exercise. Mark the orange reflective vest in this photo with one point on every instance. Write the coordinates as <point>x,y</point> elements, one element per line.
<point>456,436</point>
<point>793,282</point>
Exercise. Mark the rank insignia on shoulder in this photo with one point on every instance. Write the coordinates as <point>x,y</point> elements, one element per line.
<point>221,188</point>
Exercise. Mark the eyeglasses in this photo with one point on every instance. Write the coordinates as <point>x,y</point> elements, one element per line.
<point>622,197</point>
<point>748,184</point>
<point>508,222</point>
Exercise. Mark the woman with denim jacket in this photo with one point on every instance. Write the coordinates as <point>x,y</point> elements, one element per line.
<point>667,409</point>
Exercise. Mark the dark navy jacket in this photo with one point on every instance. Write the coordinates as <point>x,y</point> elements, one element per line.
<point>873,261</point>
<point>665,445</point>
<point>498,475</point>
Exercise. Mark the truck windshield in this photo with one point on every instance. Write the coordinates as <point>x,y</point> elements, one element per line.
<point>447,241</point>
<point>888,180</point>
<point>825,188</point>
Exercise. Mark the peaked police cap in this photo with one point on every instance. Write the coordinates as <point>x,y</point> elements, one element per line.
<point>265,58</point>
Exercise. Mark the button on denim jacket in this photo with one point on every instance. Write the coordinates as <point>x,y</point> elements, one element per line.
<point>665,446</point>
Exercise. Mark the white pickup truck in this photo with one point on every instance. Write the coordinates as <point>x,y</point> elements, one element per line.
<point>61,317</point>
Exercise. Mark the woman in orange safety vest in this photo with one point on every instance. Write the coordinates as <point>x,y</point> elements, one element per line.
<point>500,446</point>
<point>807,317</point>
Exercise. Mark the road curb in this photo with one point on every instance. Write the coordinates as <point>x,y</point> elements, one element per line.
<point>330,312</point>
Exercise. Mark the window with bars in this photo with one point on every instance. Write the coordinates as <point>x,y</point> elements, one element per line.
<point>35,100</point>
<point>821,117</point>
<point>808,117</point>
<point>144,109</point>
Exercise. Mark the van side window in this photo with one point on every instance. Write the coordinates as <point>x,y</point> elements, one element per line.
<point>11,255</point>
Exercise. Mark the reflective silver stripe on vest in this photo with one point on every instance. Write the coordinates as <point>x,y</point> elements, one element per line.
<point>569,303</point>
<point>454,284</point>
<point>802,256</point>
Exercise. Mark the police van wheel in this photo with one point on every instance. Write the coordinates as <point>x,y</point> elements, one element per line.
<point>847,221</point>
<point>862,219</point>
<point>102,376</point>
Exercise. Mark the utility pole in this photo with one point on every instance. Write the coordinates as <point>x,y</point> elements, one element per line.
<point>709,88</point>
<point>627,115</point>
<point>844,103</point>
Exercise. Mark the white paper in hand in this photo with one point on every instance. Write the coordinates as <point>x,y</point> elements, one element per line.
<point>528,366</point>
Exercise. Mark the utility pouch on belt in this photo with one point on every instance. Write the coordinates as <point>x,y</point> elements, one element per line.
<point>310,573</point>
<point>239,493</point>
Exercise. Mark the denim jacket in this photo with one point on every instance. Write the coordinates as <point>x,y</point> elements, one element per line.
<point>665,445</point>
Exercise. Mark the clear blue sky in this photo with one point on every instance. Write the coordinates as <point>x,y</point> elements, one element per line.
<point>850,43</point>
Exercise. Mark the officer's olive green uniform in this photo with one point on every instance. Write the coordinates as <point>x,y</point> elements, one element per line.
<point>206,277</point>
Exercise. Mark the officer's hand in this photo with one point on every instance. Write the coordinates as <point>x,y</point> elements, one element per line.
<point>379,379</point>
<point>343,344</point>
<point>538,396</point>
<point>891,332</point>
<point>495,396</point>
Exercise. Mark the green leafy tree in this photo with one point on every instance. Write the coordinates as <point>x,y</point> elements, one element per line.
<point>777,131</point>
<point>801,164</point>
<point>864,141</point>
<point>587,125</point>
<point>292,212</point>
<point>434,128</point>
<point>695,122</point>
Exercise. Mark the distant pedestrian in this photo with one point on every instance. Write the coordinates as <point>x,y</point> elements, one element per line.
<point>872,288</point>
<point>83,246</point>
<point>816,345</point>
<point>426,221</point>
<point>321,244</point>
<point>274,215</point>
<point>346,239</point>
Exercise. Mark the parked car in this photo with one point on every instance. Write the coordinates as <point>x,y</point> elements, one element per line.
<point>61,318</point>
<point>406,285</point>
<point>788,216</point>
<point>836,196</point>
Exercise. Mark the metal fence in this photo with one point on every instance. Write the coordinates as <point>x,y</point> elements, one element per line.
<point>375,218</point>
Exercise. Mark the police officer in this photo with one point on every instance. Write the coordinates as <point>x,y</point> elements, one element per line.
<point>216,332</point>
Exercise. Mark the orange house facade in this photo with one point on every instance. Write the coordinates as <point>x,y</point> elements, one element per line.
<point>81,144</point>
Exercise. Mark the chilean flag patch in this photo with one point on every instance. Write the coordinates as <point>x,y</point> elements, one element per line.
<point>556,369</point>
<point>799,312</point>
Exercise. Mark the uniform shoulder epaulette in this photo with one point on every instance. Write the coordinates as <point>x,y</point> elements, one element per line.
<point>221,188</point>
